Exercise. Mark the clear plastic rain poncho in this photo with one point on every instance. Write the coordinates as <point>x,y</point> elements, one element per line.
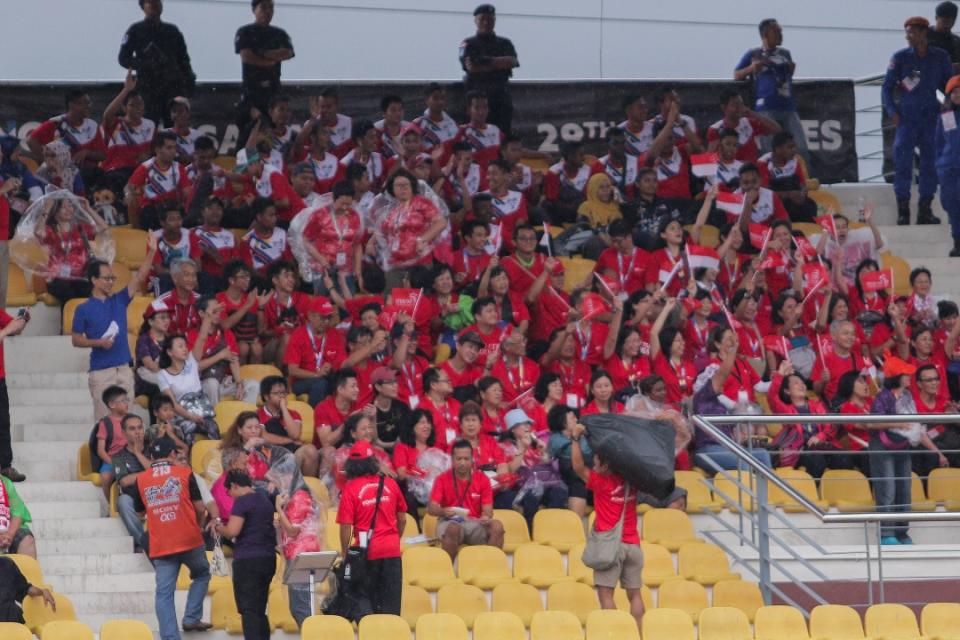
<point>432,462</point>
<point>303,509</point>
<point>388,245</point>
<point>297,241</point>
<point>57,235</point>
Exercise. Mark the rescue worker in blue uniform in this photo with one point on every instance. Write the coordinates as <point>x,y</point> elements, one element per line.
<point>947,143</point>
<point>917,71</point>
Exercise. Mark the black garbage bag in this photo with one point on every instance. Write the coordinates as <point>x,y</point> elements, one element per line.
<point>637,449</point>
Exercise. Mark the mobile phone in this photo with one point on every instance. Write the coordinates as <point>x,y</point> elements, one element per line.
<point>22,313</point>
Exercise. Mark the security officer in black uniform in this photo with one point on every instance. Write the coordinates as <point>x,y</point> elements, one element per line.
<point>488,61</point>
<point>158,53</point>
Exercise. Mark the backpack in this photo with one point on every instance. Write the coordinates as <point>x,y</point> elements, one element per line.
<point>95,461</point>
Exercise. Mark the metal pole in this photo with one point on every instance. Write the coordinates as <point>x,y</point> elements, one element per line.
<point>313,595</point>
<point>763,529</point>
<point>866,545</point>
<point>880,566</point>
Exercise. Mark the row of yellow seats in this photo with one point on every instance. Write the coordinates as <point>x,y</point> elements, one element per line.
<point>73,630</point>
<point>224,614</point>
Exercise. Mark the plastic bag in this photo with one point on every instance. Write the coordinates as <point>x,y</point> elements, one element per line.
<point>638,450</point>
<point>381,207</point>
<point>218,561</point>
<point>432,462</point>
<point>295,236</point>
<point>57,235</point>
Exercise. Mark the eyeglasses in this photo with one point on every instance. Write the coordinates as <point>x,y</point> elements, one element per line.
<point>937,379</point>
<point>108,278</point>
<point>526,238</point>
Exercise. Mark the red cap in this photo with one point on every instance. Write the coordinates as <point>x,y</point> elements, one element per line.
<point>155,307</point>
<point>916,21</point>
<point>321,305</point>
<point>412,127</point>
<point>383,374</point>
<point>558,269</point>
<point>360,450</point>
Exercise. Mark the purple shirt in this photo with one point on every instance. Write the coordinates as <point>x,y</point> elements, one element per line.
<point>258,538</point>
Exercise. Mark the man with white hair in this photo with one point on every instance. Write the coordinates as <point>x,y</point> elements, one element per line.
<point>181,300</point>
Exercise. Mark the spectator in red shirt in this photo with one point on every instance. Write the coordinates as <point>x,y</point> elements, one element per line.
<point>283,311</point>
<point>157,180</point>
<point>213,245</point>
<point>562,359</point>
<point>181,300</point>
<point>472,259</point>
<point>390,126</point>
<point>462,499</point>
<point>218,356</point>
<point>601,395</point>
<point>782,172</point>
<point>524,264</point>
<point>763,205</point>
<point>516,372</point>
<point>636,127</point>
<point>369,494</point>
<point>462,368</point>
<point>333,239</point>
<point>511,306</point>
<point>483,137</point>
<point>76,129</point>
<point>508,206</point>
<point>437,392</point>
<point>671,162</point>
<point>747,123</point>
<point>66,239</point>
<point>128,137</point>
<point>365,153</point>
<point>832,364</point>
<point>565,184</point>
<point>330,415</point>
<point>623,262</point>
<point>283,426</point>
<point>685,129</point>
<point>314,351</point>
<point>267,181</point>
<point>667,346</point>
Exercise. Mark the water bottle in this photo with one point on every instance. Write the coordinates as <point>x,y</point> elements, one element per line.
<point>745,408</point>
<point>861,207</point>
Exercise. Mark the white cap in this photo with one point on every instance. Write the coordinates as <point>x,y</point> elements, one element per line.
<point>516,417</point>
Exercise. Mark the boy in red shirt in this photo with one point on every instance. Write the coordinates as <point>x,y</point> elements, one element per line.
<point>213,245</point>
<point>159,180</point>
<point>314,351</point>
<point>747,123</point>
<point>330,415</point>
<point>471,261</point>
<point>484,138</point>
<point>623,262</point>
<point>284,311</point>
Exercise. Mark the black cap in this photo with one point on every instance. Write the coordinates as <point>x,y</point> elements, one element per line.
<point>484,8</point>
<point>947,10</point>
<point>162,448</point>
<point>471,336</point>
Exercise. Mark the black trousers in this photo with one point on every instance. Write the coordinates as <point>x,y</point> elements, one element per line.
<point>385,585</point>
<point>6,449</point>
<point>64,290</point>
<point>251,587</point>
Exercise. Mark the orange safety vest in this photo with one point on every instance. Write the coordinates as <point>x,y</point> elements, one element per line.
<point>171,517</point>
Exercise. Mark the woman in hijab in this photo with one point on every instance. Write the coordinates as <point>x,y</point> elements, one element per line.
<point>11,168</point>
<point>599,209</point>
<point>58,170</point>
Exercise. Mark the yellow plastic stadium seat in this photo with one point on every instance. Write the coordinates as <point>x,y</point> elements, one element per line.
<point>558,528</point>
<point>515,531</point>
<point>685,595</point>
<point>891,621</point>
<point>483,566</point>
<point>698,493</point>
<point>123,275</point>
<point>522,600</point>
<point>575,567</point>
<point>84,467</point>
<point>441,626</point>
<point>38,615</point>
<point>704,563</point>
<point>227,163</point>
<point>941,620</point>
<point>724,623</point>
<point>943,486</point>
<point>414,602</point>
<point>537,164</point>
<point>320,627</point>
<point>779,622</point>
<point>278,610</point>
<point>826,202</point>
<point>918,498</point>
<point>19,294</point>
<point>623,603</point>
<point>901,272</point>
<point>199,452</point>
<point>670,528</point>
<point>610,624</point>
<point>381,625</point>
<point>227,411</point>
<point>319,490</point>
<point>577,271</point>
<point>428,567</point>
<point>846,489</point>
<point>124,630</point>
<point>577,598</point>
<point>238,234</point>
<point>709,235</point>
<point>29,567</point>
<point>66,630</point>
<point>135,311</point>
<point>555,625</point>
<point>306,419</point>
<point>657,564</point>
<point>539,565</point>
<point>738,594</point>
<point>223,610</point>
<point>497,625</point>
<point>131,246</point>
<point>463,600</point>
<point>800,480</point>
<point>835,622</point>
<point>15,631</point>
<point>69,309</point>
<point>728,486</point>
<point>258,371</point>
<point>331,532</point>
<point>809,229</point>
<point>812,183</point>
<point>667,624</point>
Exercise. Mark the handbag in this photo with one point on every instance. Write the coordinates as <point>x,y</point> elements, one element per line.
<point>218,561</point>
<point>355,558</point>
<point>603,547</point>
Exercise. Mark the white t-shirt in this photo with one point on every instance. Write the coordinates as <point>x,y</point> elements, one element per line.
<point>187,381</point>
<point>859,246</point>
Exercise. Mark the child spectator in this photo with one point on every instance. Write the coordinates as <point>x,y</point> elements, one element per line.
<point>109,435</point>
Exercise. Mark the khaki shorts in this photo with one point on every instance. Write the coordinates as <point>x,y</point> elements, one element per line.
<point>627,570</point>
<point>471,531</point>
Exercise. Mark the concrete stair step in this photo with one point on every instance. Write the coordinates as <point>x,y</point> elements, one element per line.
<point>116,584</point>
<point>66,527</point>
<point>40,395</point>
<point>96,620</point>
<point>37,491</point>
<point>882,197</point>
<point>103,564</point>
<point>113,604</point>
<point>47,470</point>
<point>50,431</point>
<point>65,510</point>
<point>87,545</point>
<point>39,354</point>
<point>44,380</point>
<point>79,413</point>
<point>41,451</point>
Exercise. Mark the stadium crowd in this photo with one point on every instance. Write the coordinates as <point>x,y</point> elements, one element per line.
<point>406,278</point>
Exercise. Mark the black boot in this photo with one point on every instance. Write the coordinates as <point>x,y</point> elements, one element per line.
<point>903,212</point>
<point>925,213</point>
<point>955,252</point>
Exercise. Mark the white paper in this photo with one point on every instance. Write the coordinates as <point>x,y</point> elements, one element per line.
<point>949,120</point>
<point>112,330</point>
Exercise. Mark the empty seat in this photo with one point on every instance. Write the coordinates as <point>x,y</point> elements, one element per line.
<point>378,626</point>
<point>122,630</point>
<point>84,466</point>
<point>941,620</point>
<point>428,567</point>
<point>278,609</point>
<point>227,411</point>
<point>685,595</point>
<point>575,567</point>
<point>522,600</point>
<point>558,528</point>
<point>462,600</point>
<point>724,623</point>
<point>538,565</point>
<point>555,625</point>
<point>576,597</point>
<point>738,594</point>
<point>667,624</point>
<point>15,630</point>
<point>835,622</point>
<point>623,603</point>
<point>846,489</point>
<point>320,627</point>
<point>800,480</point>
<point>670,528</point>
<point>414,602</point>
<point>704,563</point>
<point>483,566</point>
<point>891,621</point>
<point>19,293</point>
<point>918,497</point>
<point>657,565</point>
<point>727,486</point>
<point>943,485</point>
<point>515,531</point>
<point>779,622</point>
<point>258,371</point>
<point>578,270</point>
<point>441,626</point>
<point>498,625</point>
<point>199,451</point>
<point>66,630</point>
<point>29,567</point>
<point>223,610</point>
<point>131,245</point>
<point>135,312</point>
<point>69,309</point>
<point>37,614</point>
<point>698,493</point>
<point>610,624</point>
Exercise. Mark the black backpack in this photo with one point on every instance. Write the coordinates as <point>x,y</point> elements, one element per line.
<point>95,461</point>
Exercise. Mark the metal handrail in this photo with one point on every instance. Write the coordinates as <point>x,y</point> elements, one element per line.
<point>708,422</point>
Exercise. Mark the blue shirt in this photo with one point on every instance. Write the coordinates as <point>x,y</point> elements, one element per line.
<point>917,79</point>
<point>92,319</point>
<point>947,139</point>
<point>773,83</point>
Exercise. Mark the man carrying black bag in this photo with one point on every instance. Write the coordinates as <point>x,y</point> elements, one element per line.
<point>371,519</point>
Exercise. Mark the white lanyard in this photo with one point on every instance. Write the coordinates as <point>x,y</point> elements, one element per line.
<point>620,272</point>
<point>584,341</point>
<point>313,344</point>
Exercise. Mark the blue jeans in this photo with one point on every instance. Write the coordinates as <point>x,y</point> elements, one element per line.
<point>789,121</point>
<point>299,595</point>
<point>890,475</point>
<point>726,459</point>
<point>950,197</point>
<point>168,568</point>
<point>916,131</point>
<point>131,520</point>
<point>316,389</point>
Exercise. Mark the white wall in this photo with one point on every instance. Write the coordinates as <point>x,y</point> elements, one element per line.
<point>418,39</point>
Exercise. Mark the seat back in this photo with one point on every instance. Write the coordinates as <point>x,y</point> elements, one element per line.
<point>577,270</point>
<point>845,485</point>
<point>320,492</point>
<point>577,598</point>
<point>667,624</point>
<point>576,568</point>
<point>729,487</point>
<point>198,454</point>
<point>685,595</point>
<point>320,627</point>
<point>478,561</point>
<point>891,621</point>
<point>667,524</point>
<point>441,626</point>
<point>697,490</point>
<point>138,305</point>
<point>426,563</point>
<point>657,562</point>
<point>515,530</point>
<point>227,411</point>
<point>69,310</point>
<point>701,557</point>
<point>944,484</point>
<point>738,594</point>
<point>258,371</point>
<point>561,528</point>
<point>536,560</point>
<point>414,602</point>
<point>519,599</point>
<point>29,567</point>
<point>66,630</point>
<point>37,614</point>
<point>611,624</point>
<point>835,621</point>
<point>462,600</point>
<point>381,625</point>
<point>779,622</point>
<point>555,625</point>
<point>724,623</point>
<point>306,419</point>
<point>131,245</point>
<point>940,620</point>
<point>124,630</point>
<point>15,630</point>
<point>498,625</point>
<point>800,480</point>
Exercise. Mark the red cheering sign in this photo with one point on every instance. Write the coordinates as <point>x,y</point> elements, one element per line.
<point>593,305</point>
<point>405,300</point>
<point>877,280</point>
<point>828,224</point>
<point>759,235</point>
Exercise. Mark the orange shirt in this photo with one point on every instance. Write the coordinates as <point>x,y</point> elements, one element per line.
<point>167,493</point>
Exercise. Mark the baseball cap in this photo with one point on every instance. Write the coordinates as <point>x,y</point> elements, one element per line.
<point>321,305</point>
<point>155,307</point>
<point>916,21</point>
<point>162,448</point>
<point>484,8</point>
<point>894,366</point>
<point>952,84</point>
<point>471,336</point>
<point>381,375</point>
<point>360,450</point>
<point>517,417</point>
<point>558,269</point>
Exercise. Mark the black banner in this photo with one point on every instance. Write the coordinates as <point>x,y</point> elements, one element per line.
<point>544,112</point>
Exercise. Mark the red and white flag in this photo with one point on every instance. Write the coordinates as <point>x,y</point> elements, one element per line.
<point>704,165</point>
<point>772,260</point>
<point>612,287</point>
<point>732,203</point>
<point>805,248</point>
<point>702,257</point>
<point>828,224</point>
<point>815,275</point>
<point>593,305</point>
<point>666,277</point>
<point>778,345</point>
<point>388,317</point>
<point>877,280</point>
<point>545,240</point>
<point>759,236</point>
<point>495,239</point>
<point>731,321</point>
<point>406,301</point>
